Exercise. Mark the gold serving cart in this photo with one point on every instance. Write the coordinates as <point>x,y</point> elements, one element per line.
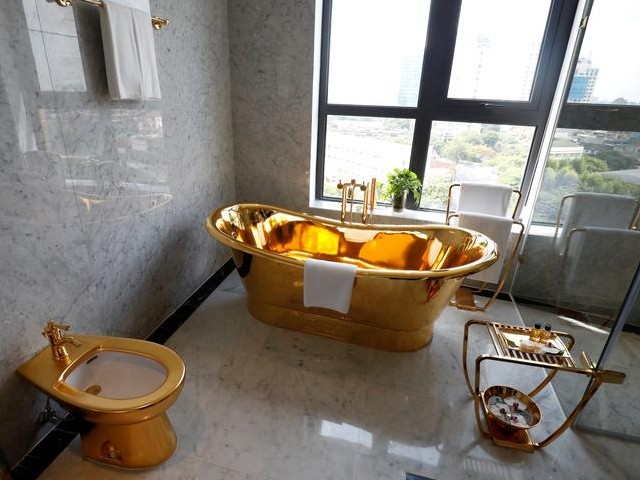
<point>504,339</point>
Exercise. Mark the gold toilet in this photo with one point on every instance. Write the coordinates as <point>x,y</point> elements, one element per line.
<point>121,385</point>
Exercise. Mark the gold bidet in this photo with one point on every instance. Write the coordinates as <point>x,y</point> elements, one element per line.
<point>122,386</point>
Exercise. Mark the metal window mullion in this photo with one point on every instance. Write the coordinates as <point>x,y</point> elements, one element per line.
<point>547,51</point>
<point>550,77</point>
<point>600,117</point>
<point>371,111</point>
<point>323,96</point>
<point>434,80</point>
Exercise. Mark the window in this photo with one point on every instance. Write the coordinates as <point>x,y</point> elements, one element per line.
<point>596,147</point>
<point>452,89</point>
<point>461,152</point>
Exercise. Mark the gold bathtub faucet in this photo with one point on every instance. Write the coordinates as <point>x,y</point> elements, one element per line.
<point>54,333</point>
<point>348,195</point>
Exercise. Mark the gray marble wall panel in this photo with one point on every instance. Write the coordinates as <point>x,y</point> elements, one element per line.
<point>271,46</point>
<point>539,275</point>
<point>103,202</point>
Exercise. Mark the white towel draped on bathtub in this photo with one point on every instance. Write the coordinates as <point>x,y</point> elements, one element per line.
<point>328,284</point>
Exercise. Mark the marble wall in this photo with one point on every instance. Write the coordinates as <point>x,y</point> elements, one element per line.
<point>271,45</point>
<point>103,202</point>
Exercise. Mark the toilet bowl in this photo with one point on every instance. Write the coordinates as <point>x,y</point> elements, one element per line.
<point>122,386</point>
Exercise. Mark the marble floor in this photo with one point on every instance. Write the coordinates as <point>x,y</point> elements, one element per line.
<point>262,403</point>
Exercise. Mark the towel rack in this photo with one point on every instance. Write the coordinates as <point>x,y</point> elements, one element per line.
<point>156,22</point>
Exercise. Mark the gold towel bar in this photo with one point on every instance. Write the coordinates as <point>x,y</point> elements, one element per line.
<point>157,22</point>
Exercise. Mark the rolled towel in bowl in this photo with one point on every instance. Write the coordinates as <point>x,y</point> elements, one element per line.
<point>328,284</point>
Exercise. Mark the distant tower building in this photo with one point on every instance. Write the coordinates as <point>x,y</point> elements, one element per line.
<point>409,80</point>
<point>584,80</point>
<point>483,47</point>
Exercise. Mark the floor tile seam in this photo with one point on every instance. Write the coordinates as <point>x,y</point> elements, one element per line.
<point>233,469</point>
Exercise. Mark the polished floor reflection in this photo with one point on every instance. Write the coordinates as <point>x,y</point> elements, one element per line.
<point>263,403</point>
<point>616,408</point>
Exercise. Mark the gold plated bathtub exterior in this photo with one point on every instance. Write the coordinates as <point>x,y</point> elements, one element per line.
<point>406,274</point>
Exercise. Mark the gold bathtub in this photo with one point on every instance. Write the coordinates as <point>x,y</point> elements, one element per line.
<point>405,276</point>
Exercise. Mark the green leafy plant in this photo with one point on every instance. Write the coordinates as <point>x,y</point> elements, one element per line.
<point>399,181</point>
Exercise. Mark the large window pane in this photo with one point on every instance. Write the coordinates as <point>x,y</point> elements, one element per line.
<point>473,152</point>
<point>497,49</point>
<point>364,147</point>
<point>588,161</point>
<point>376,51</point>
<point>609,66</point>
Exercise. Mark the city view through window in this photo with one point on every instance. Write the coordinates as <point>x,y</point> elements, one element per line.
<point>485,67</point>
<point>598,160</point>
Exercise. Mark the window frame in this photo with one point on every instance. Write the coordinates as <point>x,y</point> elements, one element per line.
<point>433,104</point>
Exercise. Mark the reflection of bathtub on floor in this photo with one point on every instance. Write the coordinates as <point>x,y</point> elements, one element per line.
<point>405,274</point>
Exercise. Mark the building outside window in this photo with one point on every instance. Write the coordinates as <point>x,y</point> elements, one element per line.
<point>461,90</point>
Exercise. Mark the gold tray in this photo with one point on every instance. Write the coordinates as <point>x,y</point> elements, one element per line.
<point>512,336</point>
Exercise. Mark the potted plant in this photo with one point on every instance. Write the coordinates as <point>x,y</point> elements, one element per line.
<point>399,182</point>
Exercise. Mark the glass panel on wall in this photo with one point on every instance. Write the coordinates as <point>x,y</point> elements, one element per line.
<point>462,152</point>
<point>364,147</point>
<point>610,410</point>
<point>497,49</point>
<point>608,67</point>
<point>376,51</point>
<point>588,161</point>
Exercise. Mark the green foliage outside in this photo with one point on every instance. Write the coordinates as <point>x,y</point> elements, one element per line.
<point>583,174</point>
<point>505,151</point>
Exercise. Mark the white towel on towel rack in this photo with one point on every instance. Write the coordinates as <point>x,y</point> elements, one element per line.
<point>328,284</point>
<point>597,210</point>
<point>599,266</point>
<point>129,51</point>
<point>498,229</point>
<point>486,198</point>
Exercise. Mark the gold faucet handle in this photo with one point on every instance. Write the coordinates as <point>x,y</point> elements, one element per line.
<point>53,328</point>
<point>71,340</point>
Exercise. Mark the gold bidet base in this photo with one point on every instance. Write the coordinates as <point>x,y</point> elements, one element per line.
<point>140,445</point>
<point>341,328</point>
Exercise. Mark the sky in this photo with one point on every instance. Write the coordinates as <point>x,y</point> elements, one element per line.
<point>612,42</point>
<point>370,38</point>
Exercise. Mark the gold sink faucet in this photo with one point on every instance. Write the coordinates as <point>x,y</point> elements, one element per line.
<point>348,195</point>
<point>54,333</point>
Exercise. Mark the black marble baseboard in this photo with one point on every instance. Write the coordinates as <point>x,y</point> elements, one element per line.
<point>174,321</point>
<point>53,443</point>
<point>413,476</point>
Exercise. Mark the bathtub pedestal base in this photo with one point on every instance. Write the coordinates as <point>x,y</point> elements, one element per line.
<point>341,329</point>
<point>141,445</point>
